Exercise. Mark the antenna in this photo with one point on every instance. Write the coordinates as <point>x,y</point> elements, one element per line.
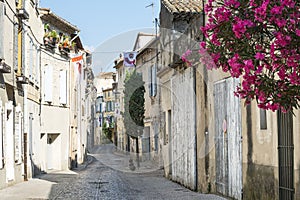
<point>152,5</point>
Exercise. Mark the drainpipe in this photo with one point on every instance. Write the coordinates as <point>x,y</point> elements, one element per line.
<point>195,126</point>
<point>76,36</point>
<point>41,75</point>
<point>20,41</point>
<point>1,32</point>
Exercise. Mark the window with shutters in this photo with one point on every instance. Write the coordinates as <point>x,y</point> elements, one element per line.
<point>63,87</point>
<point>48,83</point>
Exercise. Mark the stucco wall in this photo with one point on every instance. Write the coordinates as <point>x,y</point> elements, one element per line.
<point>55,124</point>
<point>10,93</point>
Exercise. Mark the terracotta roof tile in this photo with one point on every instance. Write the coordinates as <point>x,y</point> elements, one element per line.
<point>183,6</point>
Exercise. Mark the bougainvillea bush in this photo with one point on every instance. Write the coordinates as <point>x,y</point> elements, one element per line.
<point>259,42</point>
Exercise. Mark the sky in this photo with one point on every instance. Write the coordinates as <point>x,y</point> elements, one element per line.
<point>107,27</point>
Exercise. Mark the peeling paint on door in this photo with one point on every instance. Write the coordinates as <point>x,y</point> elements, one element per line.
<point>228,139</point>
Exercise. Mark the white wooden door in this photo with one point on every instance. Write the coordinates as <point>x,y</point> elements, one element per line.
<point>228,139</point>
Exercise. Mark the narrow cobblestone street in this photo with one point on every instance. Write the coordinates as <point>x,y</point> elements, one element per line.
<point>108,177</point>
<point>105,175</point>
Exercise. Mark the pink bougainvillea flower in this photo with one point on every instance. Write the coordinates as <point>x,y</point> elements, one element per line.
<point>259,56</point>
<point>259,42</point>
<point>185,59</point>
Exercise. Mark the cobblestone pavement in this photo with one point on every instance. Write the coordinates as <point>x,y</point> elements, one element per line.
<point>107,176</point>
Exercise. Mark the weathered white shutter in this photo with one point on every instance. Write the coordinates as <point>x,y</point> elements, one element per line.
<point>37,66</point>
<point>112,106</point>
<point>104,107</point>
<point>18,136</point>
<point>48,84</point>
<point>31,61</point>
<point>63,87</point>
<point>1,136</point>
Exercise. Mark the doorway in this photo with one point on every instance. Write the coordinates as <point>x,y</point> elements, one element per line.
<point>53,153</point>
<point>228,141</point>
<point>9,114</point>
<point>286,156</point>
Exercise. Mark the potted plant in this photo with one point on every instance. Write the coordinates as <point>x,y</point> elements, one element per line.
<point>54,37</point>
<point>47,38</point>
<point>66,44</point>
<point>46,27</point>
<point>73,45</point>
<point>47,34</point>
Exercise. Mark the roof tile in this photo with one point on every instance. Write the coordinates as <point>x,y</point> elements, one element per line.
<point>183,6</point>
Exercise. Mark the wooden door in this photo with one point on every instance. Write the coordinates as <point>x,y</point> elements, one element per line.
<point>228,139</point>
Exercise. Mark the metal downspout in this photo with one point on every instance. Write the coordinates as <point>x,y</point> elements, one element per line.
<point>195,126</point>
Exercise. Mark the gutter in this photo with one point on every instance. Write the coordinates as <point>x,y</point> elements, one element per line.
<point>195,126</point>
<point>77,35</point>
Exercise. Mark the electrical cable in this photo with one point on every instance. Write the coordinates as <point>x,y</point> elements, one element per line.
<point>11,8</point>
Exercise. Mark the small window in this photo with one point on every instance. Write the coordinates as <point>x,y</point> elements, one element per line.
<point>263,119</point>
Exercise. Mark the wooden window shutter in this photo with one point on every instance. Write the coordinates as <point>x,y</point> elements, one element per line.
<point>63,87</point>
<point>48,84</point>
